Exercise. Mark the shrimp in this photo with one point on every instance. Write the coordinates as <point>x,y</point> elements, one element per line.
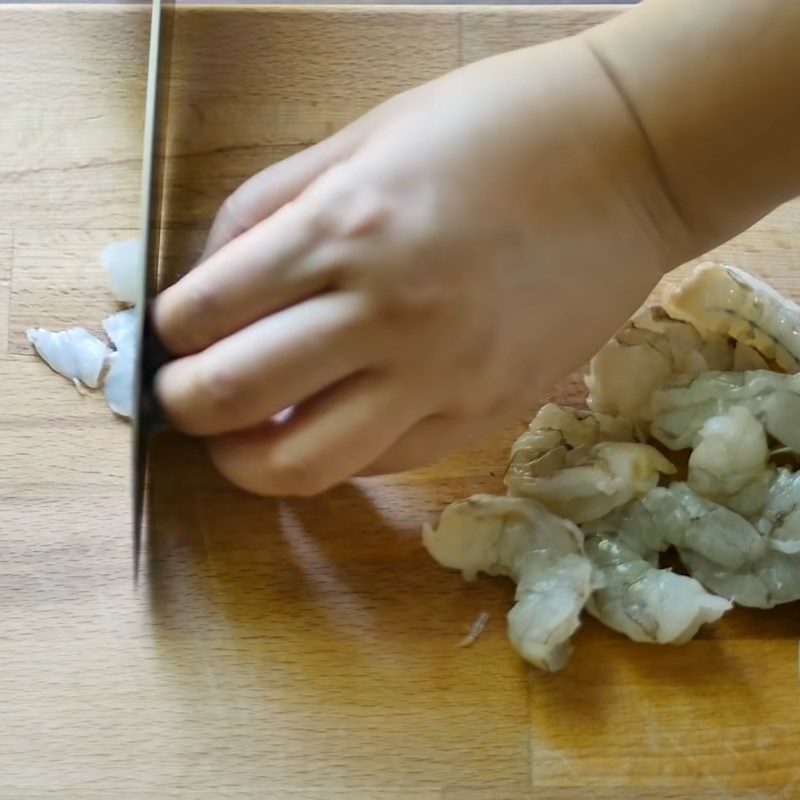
<point>650,350</point>
<point>726,301</point>
<point>557,428</point>
<point>754,564</point>
<point>771,580</point>
<point>780,517</point>
<point>73,353</point>
<point>699,373</point>
<point>645,603</point>
<point>123,264</point>
<point>729,462</point>
<point>581,465</point>
<point>540,552</point>
<point>771,397</point>
<point>118,387</point>
<point>729,465</point>
<point>676,516</point>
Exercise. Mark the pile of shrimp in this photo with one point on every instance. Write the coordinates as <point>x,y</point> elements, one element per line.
<point>594,497</point>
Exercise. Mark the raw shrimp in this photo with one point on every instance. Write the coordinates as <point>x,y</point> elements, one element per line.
<point>123,264</point>
<point>648,351</point>
<point>557,428</point>
<point>676,516</point>
<point>564,461</point>
<point>726,301</point>
<point>73,353</point>
<point>729,462</point>
<point>121,327</point>
<point>780,517</point>
<point>693,374</point>
<point>771,397</point>
<point>540,552</point>
<point>771,580</point>
<point>118,387</point>
<point>729,465</point>
<point>79,355</point>
<point>645,603</point>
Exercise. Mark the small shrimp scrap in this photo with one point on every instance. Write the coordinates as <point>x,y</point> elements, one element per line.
<point>476,629</point>
<point>592,504</point>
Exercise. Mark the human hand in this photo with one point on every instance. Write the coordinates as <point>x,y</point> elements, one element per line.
<point>420,278</point>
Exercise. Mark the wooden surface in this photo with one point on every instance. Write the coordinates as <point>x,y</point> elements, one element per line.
<point>294,649</point>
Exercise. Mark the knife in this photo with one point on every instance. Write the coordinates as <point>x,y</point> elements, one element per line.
<point>148,417</point>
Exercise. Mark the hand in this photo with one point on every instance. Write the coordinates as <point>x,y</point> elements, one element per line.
<point>420,278</point>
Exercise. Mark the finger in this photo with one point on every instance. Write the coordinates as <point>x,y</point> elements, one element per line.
<point>265,269</point>
<point>262,195</point>
<point>277,362</point>
<point>326,442</point>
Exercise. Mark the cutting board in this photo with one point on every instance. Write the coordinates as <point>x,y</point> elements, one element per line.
<point>295,648</point>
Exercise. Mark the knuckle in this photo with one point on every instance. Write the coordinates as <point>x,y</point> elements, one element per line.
<point>202,301</point>
<point>219,391</point>
<point>366,213</point>
<point>412,304</point>
<point>349,205</point>
<point>229,217</point>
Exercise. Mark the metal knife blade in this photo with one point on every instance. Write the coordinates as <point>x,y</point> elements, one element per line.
<point>150,355</point>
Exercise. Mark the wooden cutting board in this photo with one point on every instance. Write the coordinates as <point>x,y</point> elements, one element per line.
<point>295,649</point>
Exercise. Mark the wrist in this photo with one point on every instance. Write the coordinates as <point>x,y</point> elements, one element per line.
<point>713,87</point>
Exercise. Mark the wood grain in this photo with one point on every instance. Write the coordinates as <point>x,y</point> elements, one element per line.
<point>295,649</point>
<point>6,242</point>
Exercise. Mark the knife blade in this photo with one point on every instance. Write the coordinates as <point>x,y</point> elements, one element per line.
<point>148,417</point>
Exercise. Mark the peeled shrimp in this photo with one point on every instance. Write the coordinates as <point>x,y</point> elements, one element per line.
<point>122,327</point>
<point>540,552</point>
<point>772,398</point>
<point>773,578</point>
<point>73,353</point>
<point>645,603</point>
<point>123,264</point>
<point>693,374</point>
<point>676,516</point>
<point>729,465</point>
<point>564,462</point>
<point>780,516</point>
<point>729,462</point>
<point>557,427</point>
<point>769,581</point>
<point>649,351</point>
<point>729,302</point>
<point>83,358</point>
<point>118,387</point>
